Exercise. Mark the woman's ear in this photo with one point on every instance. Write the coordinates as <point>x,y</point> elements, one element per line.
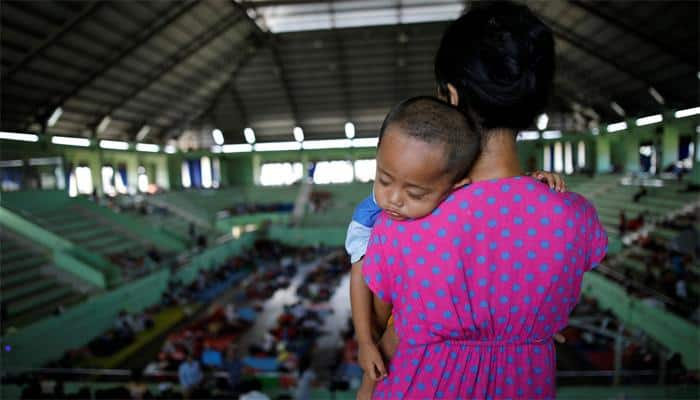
<point>462,182</point>
<point>454,96</point>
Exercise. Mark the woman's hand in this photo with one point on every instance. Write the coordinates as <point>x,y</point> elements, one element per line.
<point>555,181</point>
<point>371,361</point>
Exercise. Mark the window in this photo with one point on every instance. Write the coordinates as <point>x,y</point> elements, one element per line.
<point>558,159</point>
<point>142,180</point>
<point>215,173</point>
<point>581,156</point>
<point>547,158</point>
<point>568,159</point>
<point>365,170</point>
<point>108,185</point>
<point>83,180</point>
<point>206,172</point>
<point>185,174</point>
<point>276,174</point>
<point>333,172</point>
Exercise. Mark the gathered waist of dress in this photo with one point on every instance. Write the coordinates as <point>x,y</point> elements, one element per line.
<point>470,342</point>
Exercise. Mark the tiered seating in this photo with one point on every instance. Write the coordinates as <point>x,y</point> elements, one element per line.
<point>28,292</point>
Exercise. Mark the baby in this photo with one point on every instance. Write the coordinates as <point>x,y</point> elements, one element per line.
<point>426,148</point>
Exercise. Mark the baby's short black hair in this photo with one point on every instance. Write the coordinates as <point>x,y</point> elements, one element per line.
<point>434,121</point>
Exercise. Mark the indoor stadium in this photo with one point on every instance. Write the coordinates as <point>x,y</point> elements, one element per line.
<point>386,199</point>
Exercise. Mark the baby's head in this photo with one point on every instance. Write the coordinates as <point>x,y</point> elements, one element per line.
<point>426,148</point>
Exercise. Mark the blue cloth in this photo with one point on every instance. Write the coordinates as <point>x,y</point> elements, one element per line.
<point>360,228</point>
<point>190,374</point>
<point>268,364</point>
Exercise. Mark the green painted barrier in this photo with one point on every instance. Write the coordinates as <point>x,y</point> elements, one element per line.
<point>214,256</point>
<point>224,225</point>
<point>47,339</point>
<point>673,332</point>
<point>75,260</point>
<point>137,227</point>
<point>308,236</point>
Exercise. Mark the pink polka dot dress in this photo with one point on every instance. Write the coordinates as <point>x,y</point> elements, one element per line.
<point>479,287</point>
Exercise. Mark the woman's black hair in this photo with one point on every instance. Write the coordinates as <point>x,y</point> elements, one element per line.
<point>500,58</point>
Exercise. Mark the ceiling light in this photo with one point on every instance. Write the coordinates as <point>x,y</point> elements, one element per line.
<point>656,95</point>
<point>298,134</point>
<point>24,137</point>
<point>114,145</point>
<point>237,148</point>
<point>528,135</point>
<point>277,146</point>
<point>652,119</point>
<point>551,134</point>
<point>103,124</point>
<point>349,130</point>
<point>327,144</point>
<point>142,133</point>
<point>55,116</point>
<point>249,135</point>
<point>218,136</point>
<point>170,149</point>
<point>542,121</point>
<point>147,147</point>
<point>618,109</point>
<point>687,112</point>
<point>618,126</point>
<point>70,141</point>
<point>365,142</point>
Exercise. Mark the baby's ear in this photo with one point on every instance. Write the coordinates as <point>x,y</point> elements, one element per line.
<point>462,182</point>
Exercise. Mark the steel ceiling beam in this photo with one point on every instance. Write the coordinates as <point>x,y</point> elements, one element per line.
<point>342,69</point>
<point>581,44</point>
<point>86,12</point>
<point>224,25</point>
<point>639,34</point>
<point>157,27</point>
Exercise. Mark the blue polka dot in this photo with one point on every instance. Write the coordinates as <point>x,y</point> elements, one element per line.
<point>529,277</point>
<point>544,221</point>
<point>395,243</point>
<point>430,305</point>
<point>450,279</point>
<point>540,289</point>
<point>390,260</point>
<point>416,237</point>
<point>531,255</point>
<point>518,220</point>
<point>504,210</point>
<point>532,232</point>
<point>483,281</point>
<point>401,228</point>
<point>425,225</point>
<point>517,265</point>
<point>504,278</point>
<point>420,260</point>
<point>544,244</point>
<point>530,187</point>
<point>492,267</point>
<point>526,299</point>
<point>505,255</point>
<point>452,218</point>
<point>467,227</point>
<point>491,200</point>
<point>483,304</point>
<point>415,295</point>
<point>436,211</point>
<point>479,236</point>
<point>442,232</point>
<point>456,241</point>
<point>430,247</point>
<point>445,256</point>
<point>425,283</point>
<point>436,270</point>
<point>493,245</point>
<point>469,272</point>
<point>406,250</point>
<point>557,209</point>
<point>558,233</point>
<point>481,259</point>
<point>440,293</point>
<point>492,223</point>
<point>447,314</point>
<point>544,267</point>
<point>468,250</point>
<point>505,188</point>
<point>505,233</point>
<point>463,204</point>
<point>478,213</point>
<point>516,287</point>
<point>518,243</point>
<point>530,209</point>
<point>478,191</point>
<point>504,299</point>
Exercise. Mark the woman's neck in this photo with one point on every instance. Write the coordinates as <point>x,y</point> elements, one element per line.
<point>498,157</point>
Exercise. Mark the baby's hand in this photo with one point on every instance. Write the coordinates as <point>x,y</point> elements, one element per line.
<point>555,181</point>
<point>371,361</point>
